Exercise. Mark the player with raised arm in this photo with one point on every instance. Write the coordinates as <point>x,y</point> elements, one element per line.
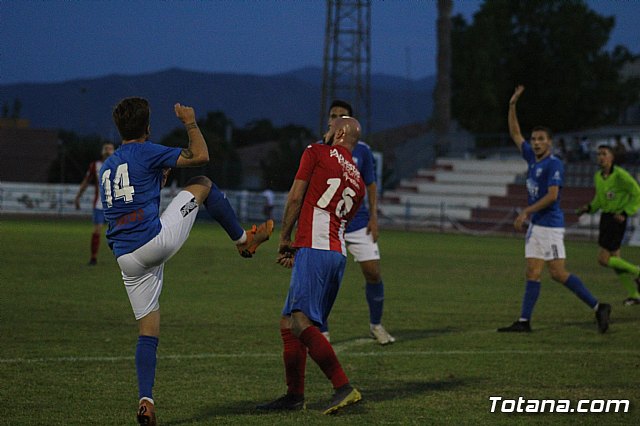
<point>544,243</point>
<point>361,235</point>
<point>142,240</point>
<point>91,178</point>
<point>617,197</point>
<point>325,194</point>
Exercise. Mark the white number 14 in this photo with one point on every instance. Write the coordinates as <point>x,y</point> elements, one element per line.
<point>121,187</point>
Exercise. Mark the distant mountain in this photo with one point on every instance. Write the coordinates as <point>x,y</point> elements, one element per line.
<point>84,106</point>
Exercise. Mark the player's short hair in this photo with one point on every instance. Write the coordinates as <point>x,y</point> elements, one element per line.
<point>545,129</point>
<point>342,104</point>
<point>131,117</point>
<point>108,143</point>
<point>611,150</point>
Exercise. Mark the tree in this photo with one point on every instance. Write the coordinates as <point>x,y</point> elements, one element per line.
<point>556,48</point>
<point>224,166</point>
<point>281,164</point>
<point>74,155</point>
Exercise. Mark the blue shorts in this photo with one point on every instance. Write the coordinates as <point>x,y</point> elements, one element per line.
<point>315,282</point>
<point>98,217</point>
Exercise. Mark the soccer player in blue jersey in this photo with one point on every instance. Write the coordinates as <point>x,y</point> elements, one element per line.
<point>361,234</point>
<point>544,243</point>
<point>141,238</point>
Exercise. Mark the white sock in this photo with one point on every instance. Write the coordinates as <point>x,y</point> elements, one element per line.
<point>242,239</point>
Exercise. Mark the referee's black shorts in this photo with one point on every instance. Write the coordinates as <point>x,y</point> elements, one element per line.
<point>611,232</point>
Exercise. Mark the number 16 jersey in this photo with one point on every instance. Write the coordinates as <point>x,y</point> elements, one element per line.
<point>335,191</point>
<point>130,183</point>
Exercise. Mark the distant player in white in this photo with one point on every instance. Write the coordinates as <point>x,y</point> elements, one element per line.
<point>269,203</point>
<point>143,240</point>
<point>91,178</point>
<point>362,233</point>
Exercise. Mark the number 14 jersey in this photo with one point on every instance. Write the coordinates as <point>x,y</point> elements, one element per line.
<point>335,191</point>
<point>130,183</point>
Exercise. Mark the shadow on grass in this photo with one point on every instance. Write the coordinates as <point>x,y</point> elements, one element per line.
<point>374,392</point>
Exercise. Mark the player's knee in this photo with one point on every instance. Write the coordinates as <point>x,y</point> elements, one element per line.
<point>533,274</point>
<point>372,276</point>
<point>560,276</point>
<point>200,180</point>
<point>285,322</point>
<point>603,259</point>
<point>371,271</point>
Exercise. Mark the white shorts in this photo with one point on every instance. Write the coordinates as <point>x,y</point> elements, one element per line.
<point>545,243</point>
<point>361,245</point>
<point>142,269</point>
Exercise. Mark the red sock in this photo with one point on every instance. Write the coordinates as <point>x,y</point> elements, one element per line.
<point>295,361</point>
<point>322,353</point>
<point>95,245</point>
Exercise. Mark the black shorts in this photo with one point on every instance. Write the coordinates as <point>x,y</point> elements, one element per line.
<point>611,232</point>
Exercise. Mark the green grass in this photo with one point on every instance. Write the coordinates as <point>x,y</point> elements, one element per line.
<point>67,334</point>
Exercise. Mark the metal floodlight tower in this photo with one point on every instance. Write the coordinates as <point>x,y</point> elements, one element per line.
<point>347,59</point>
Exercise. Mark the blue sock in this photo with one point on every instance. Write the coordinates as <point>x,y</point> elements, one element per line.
<point>375,299</point>
<point>574,284</point>
<point>146,364</point>
<point>324,327</point>
<point>531,293</point>
<point>219,208</point>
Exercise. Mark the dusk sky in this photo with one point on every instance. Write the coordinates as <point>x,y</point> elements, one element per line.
<point>46,41</point>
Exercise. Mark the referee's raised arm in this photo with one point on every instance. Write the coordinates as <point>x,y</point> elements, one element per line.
<point>514,126</point>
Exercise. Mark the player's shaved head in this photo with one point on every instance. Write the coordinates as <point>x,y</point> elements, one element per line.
<point>346,132</point>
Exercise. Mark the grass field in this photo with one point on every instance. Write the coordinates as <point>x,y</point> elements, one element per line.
<point>67,334</point>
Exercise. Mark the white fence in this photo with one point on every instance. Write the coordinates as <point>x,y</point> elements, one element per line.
<point>57,200</point>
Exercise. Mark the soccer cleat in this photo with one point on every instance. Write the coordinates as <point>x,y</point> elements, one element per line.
<point>517,327</point>
<point>288,402</point>
<point>344,396</point>
<point>93,262</point>
<point>255,236</point>
<point>602,316</point>
<point>146,413</point>
<point>378,332</point>
<point>631,301</point>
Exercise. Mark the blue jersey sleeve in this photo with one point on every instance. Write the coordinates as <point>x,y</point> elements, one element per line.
<point>368,167</point>
<point>527,152</point>
<point>159,156</point>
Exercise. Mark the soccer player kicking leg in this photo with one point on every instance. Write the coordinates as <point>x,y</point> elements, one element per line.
<point>142,241</point>
<point>143,270</point>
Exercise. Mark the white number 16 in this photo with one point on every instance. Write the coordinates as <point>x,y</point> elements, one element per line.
<point>344,205</point>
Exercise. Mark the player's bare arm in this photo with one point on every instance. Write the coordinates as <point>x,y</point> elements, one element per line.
<point>372,226</point>
<point>290,217</point>
<point>542,203</point>
<point>83,187</point>
<point>197,153</point>
<point>514,126</point>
